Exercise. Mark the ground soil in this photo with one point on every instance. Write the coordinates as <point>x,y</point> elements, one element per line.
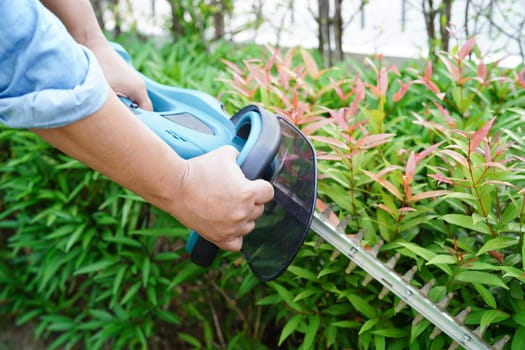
<point>19,338</point>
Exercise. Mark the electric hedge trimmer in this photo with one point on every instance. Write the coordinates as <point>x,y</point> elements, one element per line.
<point>271,148</point>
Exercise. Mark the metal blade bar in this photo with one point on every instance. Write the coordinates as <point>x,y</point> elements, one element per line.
<point>391,280</point>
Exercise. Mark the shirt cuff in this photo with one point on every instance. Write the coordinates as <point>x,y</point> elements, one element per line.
<point>52,108</point>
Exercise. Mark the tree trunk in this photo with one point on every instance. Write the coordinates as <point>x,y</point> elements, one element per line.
<point>338,31</point>
<point>176,11</point>
<point>445,14</point>
<point>218,18</point>
<point>437,32</point>
<point>323,21</point>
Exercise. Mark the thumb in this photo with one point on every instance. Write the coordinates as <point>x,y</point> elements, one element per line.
<point>143,101</point>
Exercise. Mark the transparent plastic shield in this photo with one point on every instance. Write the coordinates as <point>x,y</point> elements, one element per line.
<point>280,232</point>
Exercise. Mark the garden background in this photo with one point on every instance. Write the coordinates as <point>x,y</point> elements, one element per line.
<point>426,155</point>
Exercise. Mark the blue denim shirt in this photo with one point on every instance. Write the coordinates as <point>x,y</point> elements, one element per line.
<point>47,80</point>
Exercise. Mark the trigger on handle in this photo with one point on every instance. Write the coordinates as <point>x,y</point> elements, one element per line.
<point>202,252</point>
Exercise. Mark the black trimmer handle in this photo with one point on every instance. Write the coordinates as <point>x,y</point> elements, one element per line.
<point>203,252</point>
<point>262,133</point>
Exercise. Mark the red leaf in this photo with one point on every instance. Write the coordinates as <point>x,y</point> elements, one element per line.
<point>428,71</point>
<point>402,91</point>
<point>428,194</point>
<point>382,82</point>
<point>521,79</point>
<point>452,68</point>
<point>479,135</point>
<point>385,183</point>
<point>421,155</point>
<point>441,178</point>
<point>410,169</point>
<point>466,49</point>
<point>482,72</point>
<point>456,156</point>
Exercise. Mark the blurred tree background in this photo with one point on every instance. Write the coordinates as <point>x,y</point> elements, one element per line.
<point>210,20</point>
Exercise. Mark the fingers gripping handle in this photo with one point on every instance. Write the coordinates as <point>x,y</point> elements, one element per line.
<point>258,140</point>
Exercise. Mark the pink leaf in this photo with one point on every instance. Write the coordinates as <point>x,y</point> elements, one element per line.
<point>521,78</point>
<point>330,141</point>
<point>386,184</point>
<point>428,71</point>
<point>482,72</point>
<point>421,155</point>
<point>410,169</point>
<point>370,141</point>
<point>385,208</point>
<point>456,156</point>
<point>488,156</point>
<point>382,82</point>
<point>441,178</point>
<point>429,194</point>
<point>402,91</point>
<point>371,64</point>
<point>466,49</point>
<point>406,209</point>
<point>450,121</point>
<point>452,68</point>
<point>479,135</point>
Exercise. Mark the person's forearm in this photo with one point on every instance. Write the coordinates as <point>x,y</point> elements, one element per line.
<point>115,143</point>
<point>79,19</point>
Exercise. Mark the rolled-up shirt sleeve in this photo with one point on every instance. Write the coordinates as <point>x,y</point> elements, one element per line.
<point>47,80</point>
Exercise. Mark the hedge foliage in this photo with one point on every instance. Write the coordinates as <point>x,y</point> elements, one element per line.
<point>428,158</point>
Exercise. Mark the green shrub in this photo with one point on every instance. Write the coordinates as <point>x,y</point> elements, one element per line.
<point>427,159</point>
<point>95,266</point>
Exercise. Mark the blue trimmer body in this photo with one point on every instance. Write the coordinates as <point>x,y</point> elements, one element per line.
<point>193,123</point>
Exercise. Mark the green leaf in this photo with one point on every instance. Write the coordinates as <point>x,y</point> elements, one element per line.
<point>519,318</point>
<point>164,231</point>
<point>286,294</point>
<point>270,300</point>
<point>497,243</point>
<point>290,327</point>
<point>442,259</point>
<point>486,295</point>
<point>168,316</point>
<point>467,222</point>
<point>248,283</point>
<point>75,236</point>
<point>369,324</point>
<point>469,276</point>
<point>492,316</point>
<point>118,278</point>
<point>362,306</point>
<point>146,267</point>
<point>305,293</point>
<point>102,315</point>
<point>131,293</point>
<point>391,332</point>
<point>186,271</point>
<point>26,317</point>
<point>190,340</point>
<point>124,241</point>
<point>302,272</point>
<point>518,340</point>
<point>418,250</point>
<point>99,265</point>
<point>347,324</point>
<point>311,332</point>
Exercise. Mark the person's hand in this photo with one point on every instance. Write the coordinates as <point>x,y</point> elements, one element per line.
<point>121,77</point>
<point>218,201</point>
